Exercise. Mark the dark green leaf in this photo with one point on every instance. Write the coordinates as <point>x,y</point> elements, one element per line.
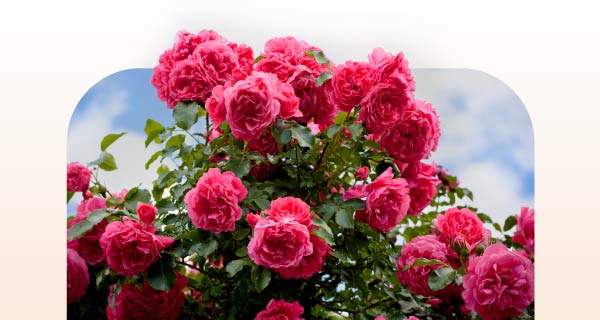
<point>440,278</point>
<point>510,222</point>
<point>186,114</point>
<point>204,249</point>
<point>424,262</point>
<point>325,76</point>
<point>261,277</point>
<point>242,252</point>
<point>257,59</point>
<point>303,135</point>
<point>357,204</point>
<point>324,231</point>
<point>109,139</point>
<point>84,226</point>
<point>262,203</point>
<point>239,166</point>
<point>161,275</point>
<point>69,195</point>
<point>332,130</point>
<point>344,218</point>
<point>235,266</point>
<point>138,195</point>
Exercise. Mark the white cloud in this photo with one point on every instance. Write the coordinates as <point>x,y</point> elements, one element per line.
<point>87,130</point>
<point>486,136</point>
<point>495,189</point>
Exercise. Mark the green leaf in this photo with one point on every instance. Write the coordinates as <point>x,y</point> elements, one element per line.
<point>161,275</point>
<point>134,196</point>
<point>242,252</point>
<point>152,130</point>
<point>324,231</point>
<point>262,203</point>
<point>106,162</point>
<point>204,249</point>
<point>319,56</point>
<point>424,262</point>
<point>261,277</point>
<point>257,59</point>
<point>239,166</point>
<point>153,158</point>
<point>186,114</point>
<point>175,141</point>
<point>109,139</point>
<point>235,266</point>
<point>100,276</point>
<point>332,130</point>
<point>282,137</point>
<point>355,130</point>
<point>510,222</point>
<point>344,218</point>
<point>84,226</point>
<point>325,76</point>
<point>440,278</point>
<point>303,135</point>
<point>356,204</point>
<point>69,195</point>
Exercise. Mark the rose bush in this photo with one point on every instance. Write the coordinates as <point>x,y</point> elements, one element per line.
<point>295,188</point>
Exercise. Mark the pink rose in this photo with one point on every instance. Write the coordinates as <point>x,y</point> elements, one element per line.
<point>196,64</point>
<point>146,302</point>
<point>362,173</point>
<point>215,105</point>
<point>383,106</point>
<point>146,212</point>
<point>77,276</point>
<point>423,182</point>
<point>351,82</point>
<point>380,317</point>
<point>525,234</point>
<point>130,247</point>
<point>462,226</point>
<point>280,309</point>
<point>88,245</point>
<point>290,207</point>
<point>499,284</point>
<point>287,45</point>
<point>287,59</point>
<point>310,264</point>
<point>391,68</point>
<point>279,244</point>
<point>253,104</point>
<point>416,278</point>
<point>211,64</point>
<point>213,203</point>
<point>387,201</point>
<point>415,136</point>
<point>78,177</point>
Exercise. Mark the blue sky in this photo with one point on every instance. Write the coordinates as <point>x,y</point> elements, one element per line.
<point>487,139</point>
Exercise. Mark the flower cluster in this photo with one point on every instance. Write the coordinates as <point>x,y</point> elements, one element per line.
<point>305,192</point>
<point>283,241</point>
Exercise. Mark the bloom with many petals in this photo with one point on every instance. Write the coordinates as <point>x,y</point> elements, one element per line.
<point>416,278</point>
<point>146,302</point>
<point>213,202</point>
<point>130,247</point>
<point>423,182</point>
<point>281,309</point>
<point>462,226</point>
<point>525,234</point>
<point>415,136</point>
<point>88,245</point>
<point>499,284</point>
<point>77,276</point>
<point>78,177</point>
<point>387,201</point>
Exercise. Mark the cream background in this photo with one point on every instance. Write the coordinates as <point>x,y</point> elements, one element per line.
<point>51,52</point>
